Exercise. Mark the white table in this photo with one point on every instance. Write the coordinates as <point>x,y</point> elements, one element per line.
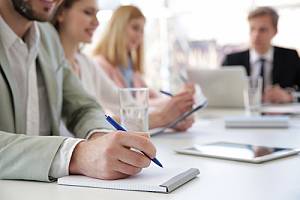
<point>218,179</point>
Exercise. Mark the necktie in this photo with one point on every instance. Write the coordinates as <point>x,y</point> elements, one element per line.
<point>262,70</point>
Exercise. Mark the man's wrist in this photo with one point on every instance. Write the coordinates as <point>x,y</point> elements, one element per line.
<point>60,164</point>
<point>74,162</point>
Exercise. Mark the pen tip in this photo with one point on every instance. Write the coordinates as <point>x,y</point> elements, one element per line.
<point>157,162</point>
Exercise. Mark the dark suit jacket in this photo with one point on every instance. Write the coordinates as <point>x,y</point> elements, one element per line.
<point>286,66</point>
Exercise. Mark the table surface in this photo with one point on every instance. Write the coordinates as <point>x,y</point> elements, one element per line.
<point>218,179</point>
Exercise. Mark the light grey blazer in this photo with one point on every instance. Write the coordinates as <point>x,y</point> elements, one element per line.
<point>29,157</point>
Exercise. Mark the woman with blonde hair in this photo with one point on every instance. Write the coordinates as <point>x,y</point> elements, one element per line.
<point>120,52</point>
<point>76,22</point>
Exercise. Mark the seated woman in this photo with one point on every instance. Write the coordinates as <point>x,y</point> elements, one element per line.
<point>76,22</point>
<point>120,51</point>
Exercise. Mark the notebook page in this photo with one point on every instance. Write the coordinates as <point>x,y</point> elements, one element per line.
<point>148,180</point>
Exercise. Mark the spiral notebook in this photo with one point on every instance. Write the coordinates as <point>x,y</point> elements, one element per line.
<point>152,179</point>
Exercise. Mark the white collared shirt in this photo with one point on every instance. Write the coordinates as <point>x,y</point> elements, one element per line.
<point>255,65</point>
<point>22,57</point>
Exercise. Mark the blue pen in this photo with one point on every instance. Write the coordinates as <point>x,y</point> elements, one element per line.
<point>166,93</point>
<point>120,128</point>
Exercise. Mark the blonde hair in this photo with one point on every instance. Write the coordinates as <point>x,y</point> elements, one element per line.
<point>113,43</point>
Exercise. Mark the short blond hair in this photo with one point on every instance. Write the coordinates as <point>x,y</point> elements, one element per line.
<point>265,11</point>
<point>113,43</point>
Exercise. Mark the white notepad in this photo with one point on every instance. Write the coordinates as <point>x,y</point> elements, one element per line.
<point>152,179</point>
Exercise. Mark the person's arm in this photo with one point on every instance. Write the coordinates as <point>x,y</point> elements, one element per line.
<point>42,158</point>
<point>297,65</point>
<point>277,94</point>
<point>27,157</point>
<point>60,164</point>
<point>110,156</point>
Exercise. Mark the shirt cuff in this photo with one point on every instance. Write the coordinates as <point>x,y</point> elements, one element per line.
<point>97,131</point>
<point>296,96</point>
<point>61,161</point>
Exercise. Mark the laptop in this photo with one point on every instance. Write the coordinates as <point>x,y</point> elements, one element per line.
<point>222,87</point>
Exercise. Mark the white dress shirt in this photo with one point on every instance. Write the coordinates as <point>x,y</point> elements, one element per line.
<point>255,65</point>
<point>22,56</point>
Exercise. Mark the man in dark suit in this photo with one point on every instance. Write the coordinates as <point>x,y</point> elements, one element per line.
<point>279,67</point>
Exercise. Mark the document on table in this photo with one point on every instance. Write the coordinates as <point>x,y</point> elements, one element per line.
<point>152,179</point>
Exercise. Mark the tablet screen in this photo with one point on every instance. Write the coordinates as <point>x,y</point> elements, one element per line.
<point>233,150</point>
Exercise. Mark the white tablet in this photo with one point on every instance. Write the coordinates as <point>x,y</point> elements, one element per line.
<point>239,152</point>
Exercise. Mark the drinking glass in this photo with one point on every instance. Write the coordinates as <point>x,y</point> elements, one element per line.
<point>253,94</point>
<point>134,108</point>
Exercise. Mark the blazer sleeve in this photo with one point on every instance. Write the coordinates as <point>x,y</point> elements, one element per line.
<point>227,61</point>
<point>27,157</point>
<point>297,65</point>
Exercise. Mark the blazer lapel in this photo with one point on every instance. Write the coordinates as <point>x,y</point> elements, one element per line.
<point>247,62</point>
<point>20,124</point>
<point>276,64</point>
<point>48,73</point>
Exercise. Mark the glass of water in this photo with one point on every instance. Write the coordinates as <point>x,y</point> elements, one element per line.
<point>253,95</point>
<point>134,103</point>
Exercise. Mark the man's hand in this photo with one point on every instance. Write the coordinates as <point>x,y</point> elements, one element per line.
<point>110,156</point>
<point>276,94</point>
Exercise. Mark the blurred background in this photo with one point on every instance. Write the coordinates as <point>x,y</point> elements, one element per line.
<point>197,34</point>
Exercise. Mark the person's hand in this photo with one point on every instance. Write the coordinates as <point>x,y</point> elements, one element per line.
<point>276,94</point>
<point>168,112</point>
<point>110,156</point>
<point>185,124</point>
<point>189,87</point>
